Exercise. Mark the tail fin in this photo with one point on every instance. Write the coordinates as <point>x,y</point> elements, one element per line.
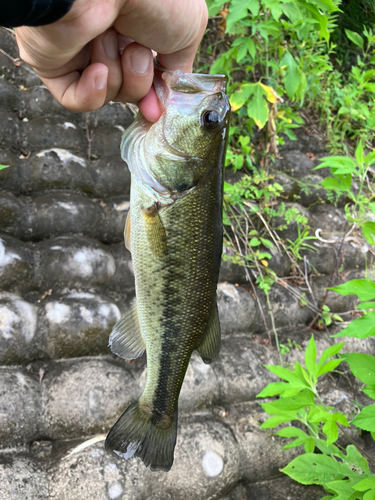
<point>134,435</point>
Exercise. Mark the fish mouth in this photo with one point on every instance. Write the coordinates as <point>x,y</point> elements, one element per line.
<point>169,84</point>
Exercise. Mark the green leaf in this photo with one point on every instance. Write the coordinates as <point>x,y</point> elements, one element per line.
<point>266,243</point>
<point>292,78</point>
<point>257,108</point>
<point>366,419</point>
<point>3,166</point>
<point>359,154</point>
<point>337,184</point>
<point>329,366</point>
<point>355,38</point>
<point>328,449</point>
<point>239,10</point>
<point>366,305</point>
<point>370,495</point>
<point>315,469</point>
<point>287,375</point>
<point>254,242</point>
<point>368,231</point>
<point>370,391</point>
<point>329,352</point>
<point>301,400</point>
<point>272,422</point>
<point>214,6</point>
<point>309,445</point>
<point>238,99</point>
<point>366,484</point>
<point>331,430</point>
<point>364,289</point>
<point>310,357</point>
<point>343,489</point>
<point>273,389</point>
<point>291,431</point>
<point>361,328</point>
<point>355,458</point>
<point>362,366</point>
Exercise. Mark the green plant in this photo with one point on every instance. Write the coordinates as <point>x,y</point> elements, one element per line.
<point>3,166</point>
<point>343,472</point>
<point>345,172</point>
<point>299,243</point>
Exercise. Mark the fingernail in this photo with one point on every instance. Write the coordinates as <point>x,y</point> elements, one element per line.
<point>110,44</point>
<point>140,60</point>
<point>101,80</point>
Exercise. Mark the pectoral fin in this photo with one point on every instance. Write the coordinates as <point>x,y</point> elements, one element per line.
<point>127,232</point>
<point>155,231</point>
<point>126,338</point>
<point>210,346</point>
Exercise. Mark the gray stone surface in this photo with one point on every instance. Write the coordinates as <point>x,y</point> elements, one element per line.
<point>16,259</point>
<point>230,272</point>
<point>322,260</point>
<point>287,309</point>
<point>12,215</point>
<point>83,397</point>
<point>20,339</point>
<point>115,210</point>
<point>20,407</point>
<point>206,464</point>
<point>236,308</point>
<point>77,324</point>
<point>75,261</point>
<point>239,369</point>
<point>335,302</point>
<point>280,488</point>
<point>22,478</point>
<point>356,255</point>
<point>329,219</point>
<point>295,164</point>
<point>311,191</point>
<point>61,214</point>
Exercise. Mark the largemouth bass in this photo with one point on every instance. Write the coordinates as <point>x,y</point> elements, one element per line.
<point>174,232</point>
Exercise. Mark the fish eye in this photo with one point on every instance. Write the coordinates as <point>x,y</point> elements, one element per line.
<point>210,119</point>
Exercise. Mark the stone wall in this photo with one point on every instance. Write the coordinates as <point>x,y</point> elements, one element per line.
<point>65,279</point>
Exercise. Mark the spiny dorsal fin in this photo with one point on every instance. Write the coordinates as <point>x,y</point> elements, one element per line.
<point>127,232</point>
<point>126,338</point>
<point>210,346</point>
<point>155,231</point>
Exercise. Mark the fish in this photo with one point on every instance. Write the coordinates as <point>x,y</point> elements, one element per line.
<point>174,232</point>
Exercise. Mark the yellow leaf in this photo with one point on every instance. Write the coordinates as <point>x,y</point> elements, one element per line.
<point>265,263</point>
<point>271,96</point>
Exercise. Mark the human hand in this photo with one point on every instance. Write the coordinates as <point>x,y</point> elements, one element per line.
<point>79,57</point>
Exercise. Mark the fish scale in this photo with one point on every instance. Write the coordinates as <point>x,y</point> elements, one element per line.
<point>175,236</point>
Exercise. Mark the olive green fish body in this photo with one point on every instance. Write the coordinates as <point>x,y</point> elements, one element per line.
<point>175,237</point>
<point>176,291</point>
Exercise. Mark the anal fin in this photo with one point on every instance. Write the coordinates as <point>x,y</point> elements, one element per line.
<point>209,347</point>
<point>126,338</point>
